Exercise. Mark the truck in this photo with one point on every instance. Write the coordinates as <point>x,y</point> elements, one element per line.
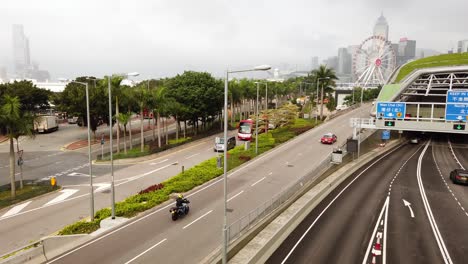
<point>44,124</point>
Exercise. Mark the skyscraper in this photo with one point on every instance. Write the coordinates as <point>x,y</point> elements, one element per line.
<point>406,50</point>
<point>344,61</point>
<point>314,63</point>
<point>462,46</point>
<point>21,55</point>
<point>381,27</point>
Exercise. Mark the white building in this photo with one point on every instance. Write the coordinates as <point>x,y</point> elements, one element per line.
<point>463,46</point>
<point>381,27</point>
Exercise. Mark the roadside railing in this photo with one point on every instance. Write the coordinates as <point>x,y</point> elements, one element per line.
<point>245,223</point>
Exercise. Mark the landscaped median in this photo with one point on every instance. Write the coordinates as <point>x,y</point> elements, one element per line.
<point>191,178</point>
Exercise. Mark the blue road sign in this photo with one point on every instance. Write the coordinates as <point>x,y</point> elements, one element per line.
<point>392,110</point>
<point>456,112</point>
<point>458,97</point>
<point>386,134</point>
<point>457,106</point>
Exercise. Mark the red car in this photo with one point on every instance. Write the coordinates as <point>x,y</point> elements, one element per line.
<point>328,138</point>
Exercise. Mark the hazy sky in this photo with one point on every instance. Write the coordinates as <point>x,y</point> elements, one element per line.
<point>162,38</point>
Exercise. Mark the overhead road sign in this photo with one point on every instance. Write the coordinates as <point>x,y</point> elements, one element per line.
<point>391,110</point>
<point>457,96</point>
<point>457,106</point>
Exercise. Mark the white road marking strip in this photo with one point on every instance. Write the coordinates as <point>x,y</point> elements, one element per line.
<point>142,253</point>
<point>270,173</point>
<point>427,207</point>
<point>147,173</point>
<point>16,209</point>
<point>384,207</point>
<point>384,256</point>
<point>155,163</point>
<point>334,199</point>
<point>455,156</point>
<point>101,187</point>
<point>191,156</point>
<point>257,182</point>
<point>408,204</point>
<point>65,194</point>
<point>235,196</point>
<point>197,219</point>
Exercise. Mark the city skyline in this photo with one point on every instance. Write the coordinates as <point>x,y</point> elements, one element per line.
<point>161,40</point>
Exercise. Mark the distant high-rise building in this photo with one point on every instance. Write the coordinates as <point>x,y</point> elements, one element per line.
<point>344,61</point>
<point>314,63</point>
<point>462,46</point>
<point>3,74</point>
<point>381,27</point>
<point>332,62</point>
<point>21,55</point>
<point>406,50</point>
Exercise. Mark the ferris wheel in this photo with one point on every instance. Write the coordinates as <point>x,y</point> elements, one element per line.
<point>373,62</point>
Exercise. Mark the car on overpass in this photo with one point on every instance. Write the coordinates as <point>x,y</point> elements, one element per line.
<point>328,138</point>
<point>459,176</point>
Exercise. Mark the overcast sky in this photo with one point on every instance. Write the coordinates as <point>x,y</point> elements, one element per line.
<point>162,38</point>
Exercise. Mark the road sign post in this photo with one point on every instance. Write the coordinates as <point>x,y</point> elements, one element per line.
<point>102,146</point>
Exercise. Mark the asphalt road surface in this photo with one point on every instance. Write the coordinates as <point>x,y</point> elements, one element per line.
<point>156,238</point>
<point>400,208</point>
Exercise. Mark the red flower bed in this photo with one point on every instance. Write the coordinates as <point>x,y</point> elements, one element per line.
<point>152,188</point>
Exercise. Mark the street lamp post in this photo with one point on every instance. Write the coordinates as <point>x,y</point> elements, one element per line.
<point>109,78</point>
<point>225,238</point>
<point>256,121</point>
<point>318,80</point>
<point>91,190</point>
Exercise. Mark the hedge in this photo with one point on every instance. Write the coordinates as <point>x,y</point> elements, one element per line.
<point>186,181</point>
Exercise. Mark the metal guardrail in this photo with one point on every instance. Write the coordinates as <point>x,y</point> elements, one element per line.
<point>243,224</point>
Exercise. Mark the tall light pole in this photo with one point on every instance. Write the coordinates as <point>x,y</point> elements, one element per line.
<point>318,80</point>
<point>109,78</point>
<point>225,238</point>
<point>91,190</point>
<point>256,120</point>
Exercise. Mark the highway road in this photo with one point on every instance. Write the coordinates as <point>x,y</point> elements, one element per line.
<point>155,237</point>
<point>401,208</point>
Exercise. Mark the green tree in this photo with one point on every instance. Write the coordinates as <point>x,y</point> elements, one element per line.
<point>123,118</point>
<point>327,78</point>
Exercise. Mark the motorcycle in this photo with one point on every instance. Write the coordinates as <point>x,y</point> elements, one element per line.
<point>180,211</point>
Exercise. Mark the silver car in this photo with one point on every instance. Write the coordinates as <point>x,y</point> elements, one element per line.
<point>219,143</point>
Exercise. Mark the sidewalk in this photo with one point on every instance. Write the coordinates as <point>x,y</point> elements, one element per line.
<point>3,138</point>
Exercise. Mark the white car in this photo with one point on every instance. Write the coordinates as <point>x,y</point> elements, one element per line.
<point>341,107</point>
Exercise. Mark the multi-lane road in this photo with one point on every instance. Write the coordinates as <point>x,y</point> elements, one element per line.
<point>156,238</point>
<point>401,208</point>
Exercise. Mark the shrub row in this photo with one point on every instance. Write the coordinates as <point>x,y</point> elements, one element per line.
<point>186,181</point>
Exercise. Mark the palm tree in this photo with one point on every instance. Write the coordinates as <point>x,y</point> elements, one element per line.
<point>159,105</point>
<point>123,119</point>
<point>25,127</point>
<point>141,96</point>
<point>10,119</point>
<point>327,77</point>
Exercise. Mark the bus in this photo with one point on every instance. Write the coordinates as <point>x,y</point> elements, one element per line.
<point>244,131</point>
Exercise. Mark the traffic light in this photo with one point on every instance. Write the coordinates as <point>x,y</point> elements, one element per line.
<point>390,123</point>
<point>458,127</point>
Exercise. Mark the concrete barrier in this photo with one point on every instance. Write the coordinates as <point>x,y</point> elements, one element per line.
<point>57,245</point>
<point>32,255</point>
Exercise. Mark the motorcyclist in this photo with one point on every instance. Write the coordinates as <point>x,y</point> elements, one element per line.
<point>181,201</point>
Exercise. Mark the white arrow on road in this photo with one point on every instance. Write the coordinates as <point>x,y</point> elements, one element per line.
<point>406,203</point>
<point>65,194</point>
<point>101,187</point>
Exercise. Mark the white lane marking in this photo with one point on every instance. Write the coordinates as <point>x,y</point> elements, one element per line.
<point>384,207</point>
<point>77,174</point>
<point>197,219</point>
<point>443,179</point>
<point>65,194</point>
<point>146,173</point>
<point>210,148</point>
<point>101,187</point>
<point>16,209</point>
<point>257,182</point>
<point>159,162</point>
<point>384,256</point>
<point>270,173</point>
<point>427,207</point>
<point>191,156</point>
<point>332,201</point>
<point>144,252</point>
<point>235,196</point>
<point>408,204</point>
<point>455,156</point>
